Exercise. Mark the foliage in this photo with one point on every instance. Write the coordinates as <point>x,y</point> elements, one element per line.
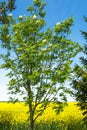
<point>80,87</point>
<point>80,80</point>
<point>38,61</point>
<point>5,8</point>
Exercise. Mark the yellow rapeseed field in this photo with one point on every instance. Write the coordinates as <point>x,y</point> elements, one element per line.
<point>13,113</point>
<point>17,113</point>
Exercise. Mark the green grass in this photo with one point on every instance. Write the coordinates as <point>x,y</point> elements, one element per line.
<point>42,126</point>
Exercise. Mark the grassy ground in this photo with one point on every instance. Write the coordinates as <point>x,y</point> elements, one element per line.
<point>41,126</point>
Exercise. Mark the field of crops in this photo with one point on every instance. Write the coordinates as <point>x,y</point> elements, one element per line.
<point>14,117</point>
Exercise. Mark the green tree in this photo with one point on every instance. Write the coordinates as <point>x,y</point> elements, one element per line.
<point>5,8</point>
<point>79,81</point>
<point>38,61</point>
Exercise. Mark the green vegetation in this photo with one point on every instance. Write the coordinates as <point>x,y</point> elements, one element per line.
<point>53,126</point>
<point>79,80</point>
<point>39,62</point>
<point>5,8</point>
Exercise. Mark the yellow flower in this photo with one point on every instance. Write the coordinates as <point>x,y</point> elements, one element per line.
<point>17,114</point>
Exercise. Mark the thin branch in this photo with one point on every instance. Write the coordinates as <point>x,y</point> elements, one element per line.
<point>37,116</point>
<point>2,9</point>
<point>5,6</point>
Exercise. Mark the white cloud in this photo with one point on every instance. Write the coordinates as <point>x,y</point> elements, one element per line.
<point>3,85</point>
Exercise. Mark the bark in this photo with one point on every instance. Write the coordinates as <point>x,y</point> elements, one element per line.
<point>31,124</point>
<point>31,116</point>
<point>30,98</point>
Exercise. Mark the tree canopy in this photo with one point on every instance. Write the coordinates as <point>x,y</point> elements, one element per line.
<point>38,60</point>
<point>5,8</point>
<point>80,79</point>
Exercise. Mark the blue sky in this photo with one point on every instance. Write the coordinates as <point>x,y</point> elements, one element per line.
<point>57,11</point>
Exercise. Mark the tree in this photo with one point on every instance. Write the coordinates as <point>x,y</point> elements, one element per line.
<point>5,8</point>
<point>79,81</point>
<point>38,61</point>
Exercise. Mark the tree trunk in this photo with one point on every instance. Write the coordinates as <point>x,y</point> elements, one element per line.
<point>31,124</point>
<point>31,117</point>
<point>30,100</point>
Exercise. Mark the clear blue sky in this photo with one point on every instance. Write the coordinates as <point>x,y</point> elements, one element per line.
<point>57,11</point>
